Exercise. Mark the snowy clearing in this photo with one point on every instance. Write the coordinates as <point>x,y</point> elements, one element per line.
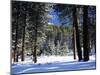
<point>52,64</point>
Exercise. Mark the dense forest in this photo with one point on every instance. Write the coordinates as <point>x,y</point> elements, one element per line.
<point>33,33</point>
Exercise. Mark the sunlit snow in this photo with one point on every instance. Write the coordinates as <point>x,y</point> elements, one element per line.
<point>52,64</point>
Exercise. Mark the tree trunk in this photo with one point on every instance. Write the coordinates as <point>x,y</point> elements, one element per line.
<point>23,30</point>
<point>35,40</point>
<point>16,40</point>
<point>23,39</point>
<point>95,45</point>
<point>35,47</point>
<point>86,47</point>
<point>74,43</point>
<point>75,24</point>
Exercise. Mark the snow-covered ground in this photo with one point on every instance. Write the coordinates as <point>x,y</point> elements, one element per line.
<point>52,64</point>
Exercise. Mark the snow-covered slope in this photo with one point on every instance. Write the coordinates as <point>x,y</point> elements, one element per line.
<point>52,64</point>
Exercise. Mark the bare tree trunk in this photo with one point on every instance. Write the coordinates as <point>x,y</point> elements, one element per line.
<point>74,42</point>
<point>16,40</point>
<point>35,47</point>
<point>23,40</point>
<point>35,40</point>
<point>23,31</point>
<point>75,24</point>
<point>86,47</point>
<point>95,45</point>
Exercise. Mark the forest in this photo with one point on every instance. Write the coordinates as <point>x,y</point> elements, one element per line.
<point>52,29</point>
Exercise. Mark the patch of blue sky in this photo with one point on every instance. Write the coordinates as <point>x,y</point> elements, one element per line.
<point>55,18</point>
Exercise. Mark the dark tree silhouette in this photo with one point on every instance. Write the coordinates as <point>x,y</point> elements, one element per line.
<point>16,40</point>
<point>15,16</point>
<point>24,12</point>
<point>75,24</point>
<point>74,42</point>
<point>86,42</point>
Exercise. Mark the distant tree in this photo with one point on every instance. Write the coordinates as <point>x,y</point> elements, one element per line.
<point>92,27</point>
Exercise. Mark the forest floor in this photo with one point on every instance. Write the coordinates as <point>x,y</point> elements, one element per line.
<point>52,64</point>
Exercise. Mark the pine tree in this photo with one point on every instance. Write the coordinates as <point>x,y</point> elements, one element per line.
<point>38,19</point>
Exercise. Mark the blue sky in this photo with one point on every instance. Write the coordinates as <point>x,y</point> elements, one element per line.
<point>55,19</point>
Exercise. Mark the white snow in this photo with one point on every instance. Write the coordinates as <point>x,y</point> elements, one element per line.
<point>52,64</point>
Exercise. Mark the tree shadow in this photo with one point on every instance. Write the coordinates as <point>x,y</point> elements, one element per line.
<point>53,67</point>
